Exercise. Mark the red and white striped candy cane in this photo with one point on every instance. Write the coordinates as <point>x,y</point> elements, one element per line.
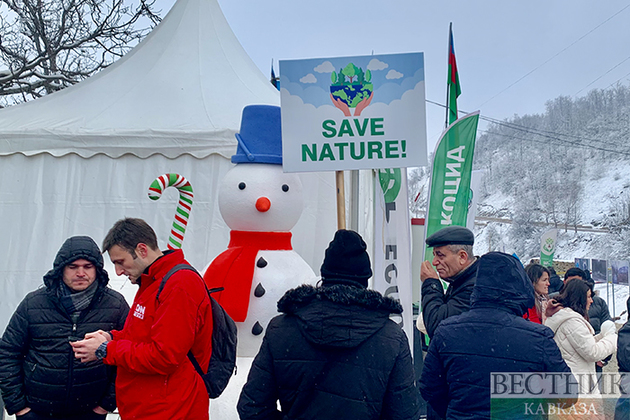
<point>183,207</point>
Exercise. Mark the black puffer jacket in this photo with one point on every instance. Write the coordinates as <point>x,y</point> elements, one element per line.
<point>37,364</point>
<point>623,345</point>
<point>598,313</point>
<point>333,354</point>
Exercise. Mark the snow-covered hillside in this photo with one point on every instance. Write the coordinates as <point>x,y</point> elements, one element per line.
<point>567,168</point>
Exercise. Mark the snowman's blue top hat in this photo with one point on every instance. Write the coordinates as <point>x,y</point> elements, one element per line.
<point>260,137</point>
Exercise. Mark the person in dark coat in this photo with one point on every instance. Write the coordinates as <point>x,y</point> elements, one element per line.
<point>491,337</point>
<point>39,376</point>
<point>622,410</point>
<point>454,260</point>
<point>456,264</point>
<point>598,313</point>
<point>555,282</point>
<point>333,353</point>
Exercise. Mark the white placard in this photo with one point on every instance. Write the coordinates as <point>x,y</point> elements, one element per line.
<point>353,113</point>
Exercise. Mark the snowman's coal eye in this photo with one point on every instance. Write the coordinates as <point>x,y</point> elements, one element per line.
<point>285,187</point>
<point>241,186</point>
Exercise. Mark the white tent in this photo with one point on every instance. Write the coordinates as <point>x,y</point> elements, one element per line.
<point>74,162</point>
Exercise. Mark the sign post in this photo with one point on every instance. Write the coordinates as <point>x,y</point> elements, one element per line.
<point>362,112</point>
<point>341,200</point>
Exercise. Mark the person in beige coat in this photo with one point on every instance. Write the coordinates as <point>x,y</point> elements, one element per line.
<point>580,347</point>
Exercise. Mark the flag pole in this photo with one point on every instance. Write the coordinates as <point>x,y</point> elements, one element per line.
<point>448,73</point>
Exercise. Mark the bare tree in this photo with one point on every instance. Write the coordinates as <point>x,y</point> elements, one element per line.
<point>47,45</point>
<point>418,186</point>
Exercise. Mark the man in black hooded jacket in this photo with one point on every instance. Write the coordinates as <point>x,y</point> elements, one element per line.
<point>492,337</point>
<point>39,375</point>
<point>333,353</point>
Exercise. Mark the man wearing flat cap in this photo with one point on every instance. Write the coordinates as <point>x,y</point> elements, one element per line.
<point>455,263</point>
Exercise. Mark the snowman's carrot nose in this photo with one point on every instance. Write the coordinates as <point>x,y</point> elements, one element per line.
<point>263,204</point>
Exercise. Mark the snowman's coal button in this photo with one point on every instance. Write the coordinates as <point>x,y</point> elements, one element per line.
<point>257,329</point>
<point>261,263</point>
<point>259,291</point>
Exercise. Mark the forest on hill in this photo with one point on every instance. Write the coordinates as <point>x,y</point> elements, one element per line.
<point>566,168</point>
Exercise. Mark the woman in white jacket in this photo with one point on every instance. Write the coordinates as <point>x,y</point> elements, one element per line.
<point>567,316</point>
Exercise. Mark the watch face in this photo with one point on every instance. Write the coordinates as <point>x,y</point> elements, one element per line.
<point>101,351</point>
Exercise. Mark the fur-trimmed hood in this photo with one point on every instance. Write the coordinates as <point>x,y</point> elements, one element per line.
<point>339,315</point>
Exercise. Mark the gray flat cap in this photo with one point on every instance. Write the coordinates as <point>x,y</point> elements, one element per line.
<point>451,235</point>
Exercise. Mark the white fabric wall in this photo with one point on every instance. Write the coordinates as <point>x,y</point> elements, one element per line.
<point>46,199</point>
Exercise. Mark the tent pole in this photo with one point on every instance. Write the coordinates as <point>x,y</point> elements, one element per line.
<point>341,201</point>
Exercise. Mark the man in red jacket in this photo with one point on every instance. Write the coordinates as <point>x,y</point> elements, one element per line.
<point>156,380</point>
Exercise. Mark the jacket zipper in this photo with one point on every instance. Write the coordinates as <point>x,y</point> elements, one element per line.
<point>70,366</point>
<point>97,296</point>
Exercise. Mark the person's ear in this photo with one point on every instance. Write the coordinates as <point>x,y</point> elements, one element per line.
<point>142,250</point>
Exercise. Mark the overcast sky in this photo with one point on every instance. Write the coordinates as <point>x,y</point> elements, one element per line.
<point>566,45</point>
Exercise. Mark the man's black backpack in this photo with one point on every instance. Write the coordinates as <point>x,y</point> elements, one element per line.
<point>223,358</point>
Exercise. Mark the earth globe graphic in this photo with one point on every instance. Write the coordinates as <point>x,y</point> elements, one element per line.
<point>352,94</point>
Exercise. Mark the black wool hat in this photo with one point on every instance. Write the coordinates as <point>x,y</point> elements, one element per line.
<point>451,235</point>
<point>346,261</point>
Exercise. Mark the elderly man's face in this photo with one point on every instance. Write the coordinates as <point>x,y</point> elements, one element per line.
<point>449,263</point>
<point>79,275</point>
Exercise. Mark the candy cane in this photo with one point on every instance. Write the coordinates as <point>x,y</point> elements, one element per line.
<point>183,207</point>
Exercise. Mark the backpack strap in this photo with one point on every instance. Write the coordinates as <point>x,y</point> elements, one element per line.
<point>213,302</point>
<point>172,271</point>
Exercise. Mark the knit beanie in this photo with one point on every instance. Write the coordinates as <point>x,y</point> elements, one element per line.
<point>346,261</point>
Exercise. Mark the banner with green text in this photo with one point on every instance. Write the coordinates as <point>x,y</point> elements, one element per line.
<point>449,191</point>
<point>344,113</point>
<point>392,243</point>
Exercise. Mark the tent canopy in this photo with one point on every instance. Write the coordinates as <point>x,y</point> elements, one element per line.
<point>181,90</point>
<point>76,161</point>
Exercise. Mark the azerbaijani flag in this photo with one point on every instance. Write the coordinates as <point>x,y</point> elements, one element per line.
<point>452,84</point>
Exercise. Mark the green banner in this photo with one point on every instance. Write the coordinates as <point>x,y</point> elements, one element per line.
<point>449,194</point>
<point>548,247</point>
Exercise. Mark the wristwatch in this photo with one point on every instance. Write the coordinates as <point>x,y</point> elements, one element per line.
<point>101,351</point>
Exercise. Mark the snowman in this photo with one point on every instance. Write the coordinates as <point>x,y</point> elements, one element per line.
<point>260,204</point>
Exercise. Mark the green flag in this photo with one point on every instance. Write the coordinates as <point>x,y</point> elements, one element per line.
<point>548,247</point>
<point>449,192</point>
<point>452,82</point>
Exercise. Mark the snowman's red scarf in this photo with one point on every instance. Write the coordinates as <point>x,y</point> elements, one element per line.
<point>233,269</point>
